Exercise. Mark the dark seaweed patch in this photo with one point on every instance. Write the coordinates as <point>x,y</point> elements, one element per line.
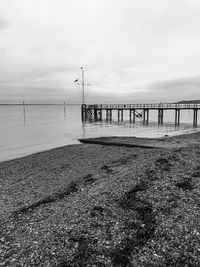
<point>185,185</point>
<point>162,161</point>
<point>171,204</point>
<point>166,210</point>
<point>181,260</point>
<point>129,201</point>
<point>106,168</point>
<point>164,164</point>
<point>108,232</point>
<point>121,254</point>
<point>97,210</point>
<point>124,160</point>
<point>151,174</point>
<point>73,187</point>
<point>88,179</point>
<point>84,250</point>
<point>196,173</point>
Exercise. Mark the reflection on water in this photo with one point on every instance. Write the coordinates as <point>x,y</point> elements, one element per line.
<point>24,114</point>
<point>27,129</point>
<point>64,110</point>
<point>138,129</point>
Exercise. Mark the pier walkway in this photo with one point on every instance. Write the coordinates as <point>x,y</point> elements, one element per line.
<point>138,111</point>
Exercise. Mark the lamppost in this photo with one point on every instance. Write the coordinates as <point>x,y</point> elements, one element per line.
<point>82,85</point>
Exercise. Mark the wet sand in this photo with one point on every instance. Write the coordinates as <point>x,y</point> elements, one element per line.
<point>100,205</point>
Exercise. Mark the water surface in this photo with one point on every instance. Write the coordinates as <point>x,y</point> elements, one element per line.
<point>28,129</point>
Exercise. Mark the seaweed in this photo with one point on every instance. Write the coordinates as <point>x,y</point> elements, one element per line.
<point>151,174</point>
<point>106,168</point>
<point>97,210</point>
<point>164,164</point>
<point>73,187</point>
<point>185,185</point>
<point>124,160</point>
<point>196,173</point>
<point>88,179</point>
<point>84,250</point>
<point>128,201</point>
<point>121,254</point>
<point>181,260</point>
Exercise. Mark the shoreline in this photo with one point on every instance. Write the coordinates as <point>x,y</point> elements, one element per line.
<point>87,140</point>
<point>81,205</point>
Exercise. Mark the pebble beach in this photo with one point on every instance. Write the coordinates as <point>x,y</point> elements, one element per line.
<point>103,205</point>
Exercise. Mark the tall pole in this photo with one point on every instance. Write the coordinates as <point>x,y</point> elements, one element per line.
<point>83,89</point>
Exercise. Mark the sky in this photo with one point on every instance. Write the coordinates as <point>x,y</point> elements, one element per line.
<point>132,51</point>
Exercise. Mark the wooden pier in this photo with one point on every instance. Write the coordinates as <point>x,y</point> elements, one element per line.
<point>142,111</point>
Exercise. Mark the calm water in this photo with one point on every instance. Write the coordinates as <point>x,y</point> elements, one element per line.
<point>36,128</point>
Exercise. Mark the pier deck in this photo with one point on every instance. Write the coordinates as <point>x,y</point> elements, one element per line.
<point>138,110</point>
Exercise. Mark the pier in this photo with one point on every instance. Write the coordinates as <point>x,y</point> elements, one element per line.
<point>97,111</point>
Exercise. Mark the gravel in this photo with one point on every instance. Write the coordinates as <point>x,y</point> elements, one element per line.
<point>96,205</point>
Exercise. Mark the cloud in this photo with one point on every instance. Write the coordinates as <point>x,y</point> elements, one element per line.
<point>169,19</point>
<point>177,89</point>
<point>3,23</point>
<point>127,48</point>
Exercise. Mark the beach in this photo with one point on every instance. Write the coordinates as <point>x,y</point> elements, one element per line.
<point>103,205</point>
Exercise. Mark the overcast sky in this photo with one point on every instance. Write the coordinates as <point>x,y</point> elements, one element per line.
<point>131,50</point>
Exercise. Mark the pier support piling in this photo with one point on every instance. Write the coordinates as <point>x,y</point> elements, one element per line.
<point>108,114</point>
<point>96,112</point>
<point>120,114</point>
<point>132,115</point>
<point>177,116</point>
<point>195,117</point>
<point>145,116</point>
<point>160,116</point>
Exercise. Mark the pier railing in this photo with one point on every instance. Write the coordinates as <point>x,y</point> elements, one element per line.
<point>138,110</point>
<point>143,106</point>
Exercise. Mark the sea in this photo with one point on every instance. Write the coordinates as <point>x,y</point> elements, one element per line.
<point>29,129</point>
